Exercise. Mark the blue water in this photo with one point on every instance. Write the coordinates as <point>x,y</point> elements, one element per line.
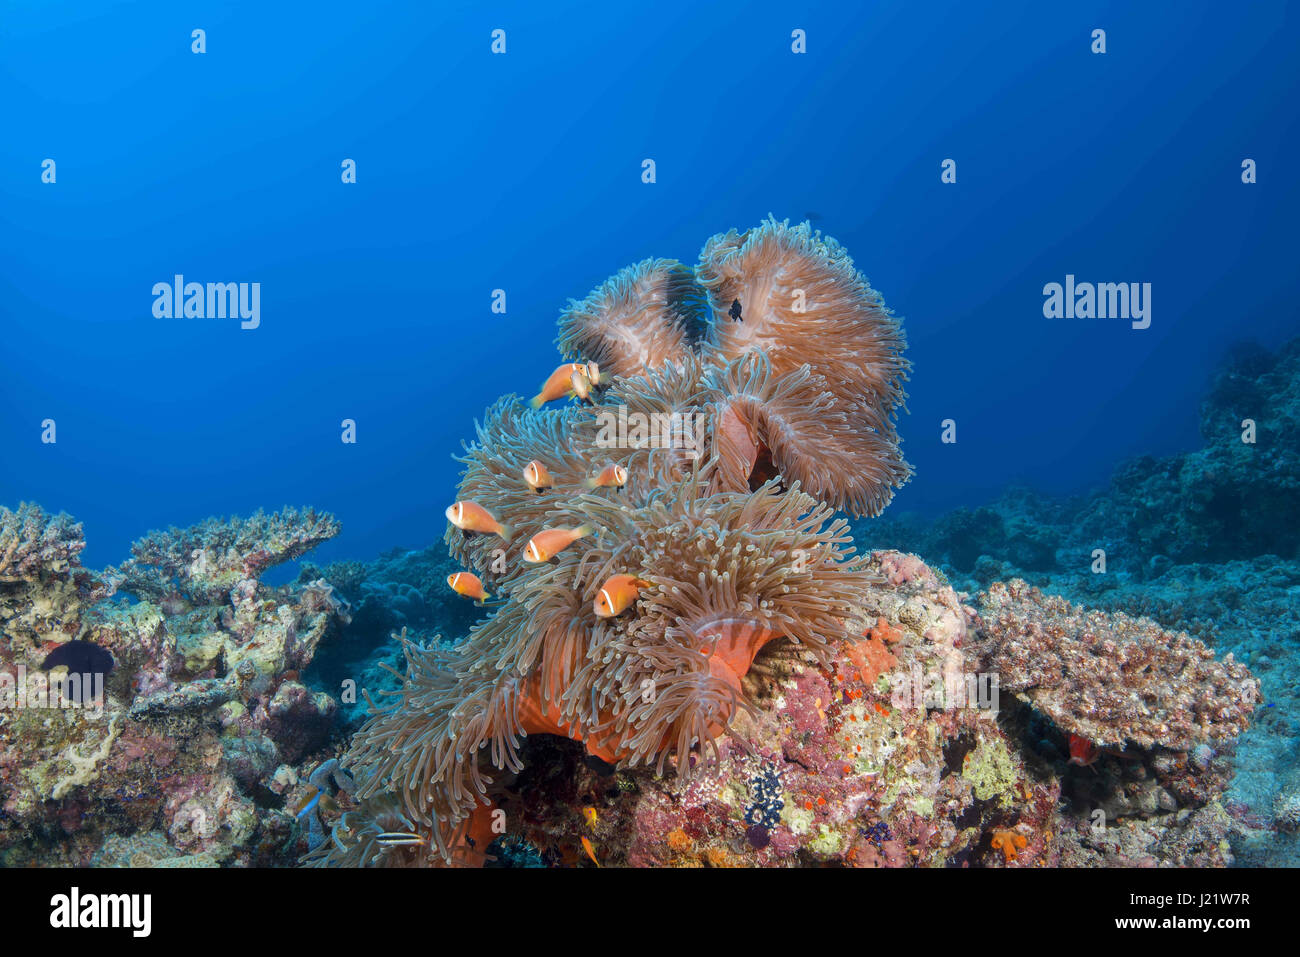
<point>523,172</point>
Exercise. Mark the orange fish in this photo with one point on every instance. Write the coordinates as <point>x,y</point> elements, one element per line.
<point>591,851</point>
<point>559,384</point>
<point>611,476</point>
<point>581,384</point>
<point>536,476</point>
<point>617,595</point>
<point>469,585</point>
<point>469,517</point>
<point>545,545</point>
<point>1082,751</point>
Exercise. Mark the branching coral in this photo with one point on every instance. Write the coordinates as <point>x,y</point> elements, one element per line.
<point>1109,678</point>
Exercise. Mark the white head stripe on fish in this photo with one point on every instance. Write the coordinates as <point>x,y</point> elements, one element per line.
<point>609,602</point>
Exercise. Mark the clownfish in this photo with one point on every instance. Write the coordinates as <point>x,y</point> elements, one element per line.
<point>557,386</point>
<point>581,384</point>
<point>469,517</point>
<point>469,585</point>
<point>537,477</point>
<point>561,382</point>
<point>611,476</point>
<point>617,595</point>
<point>545,545</point>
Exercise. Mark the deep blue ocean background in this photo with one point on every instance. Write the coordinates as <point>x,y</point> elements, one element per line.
<point>523,172</point>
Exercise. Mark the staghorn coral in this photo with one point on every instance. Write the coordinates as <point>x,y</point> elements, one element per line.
<point>1109,678</point>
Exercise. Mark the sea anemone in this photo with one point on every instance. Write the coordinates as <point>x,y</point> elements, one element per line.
<point>825,378</point>
<point>801,301</point>
<point>798,427</point>
<point>641,318</point>
<point>728,572</point>
<point>738,445</point>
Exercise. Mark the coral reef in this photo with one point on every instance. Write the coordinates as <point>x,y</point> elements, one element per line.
<point>914,767</point>
<point>202,563</point>
<point>1202,542</point>
<point>202,707</point>
<point>755,692</point>
<point>686,661</point>
<point>44,591</point>
<point>402,590</point>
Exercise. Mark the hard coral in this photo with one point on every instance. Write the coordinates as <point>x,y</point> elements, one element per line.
<point>44,591</point>
<point>1109,678</point>
<point>199,707</point>
<point>203,562</point>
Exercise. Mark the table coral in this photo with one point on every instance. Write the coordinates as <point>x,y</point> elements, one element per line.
<point>200,564</point>
<point>44,590</point>
<point>1110,678</point>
